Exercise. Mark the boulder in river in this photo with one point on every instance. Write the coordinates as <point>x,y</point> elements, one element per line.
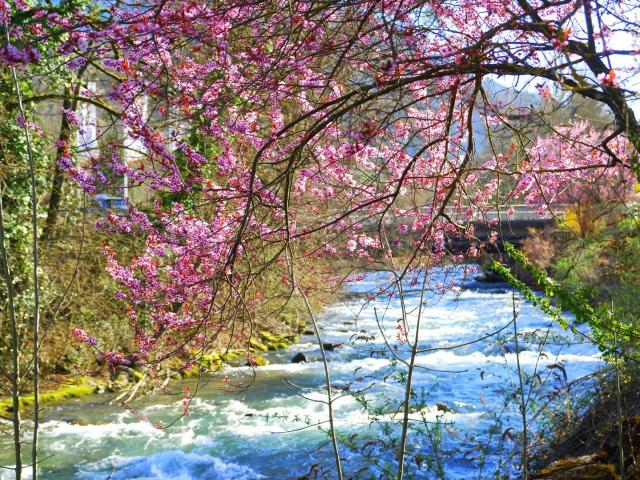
<point>342,387</point>
<point>330,347</point>
<point>510,347</point>
<point>443,407</point>
<point>488,276</point>
<point>299,358</point>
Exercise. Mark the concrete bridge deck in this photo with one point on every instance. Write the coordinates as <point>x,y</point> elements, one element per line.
<point>512,226</point>
<point>512,223</point>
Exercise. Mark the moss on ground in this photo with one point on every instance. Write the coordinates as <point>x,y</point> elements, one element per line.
<point>274,342</point>
<point>79,388</point>
<point>216,361</point>
<point>264,341</point>
<point>257,346</point>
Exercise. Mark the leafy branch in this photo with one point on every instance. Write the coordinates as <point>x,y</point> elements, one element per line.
<point>607,332</point>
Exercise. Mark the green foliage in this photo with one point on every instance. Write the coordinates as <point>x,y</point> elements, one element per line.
<point>606,269</point>
<point>15,186</point>
<point>608,332</point>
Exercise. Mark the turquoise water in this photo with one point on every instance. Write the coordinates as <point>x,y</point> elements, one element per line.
<point>257,431</point>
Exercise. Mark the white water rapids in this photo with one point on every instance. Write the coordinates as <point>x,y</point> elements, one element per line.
<point>467,396</point>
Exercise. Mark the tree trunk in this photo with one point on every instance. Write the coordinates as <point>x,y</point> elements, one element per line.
<point>53,209</point>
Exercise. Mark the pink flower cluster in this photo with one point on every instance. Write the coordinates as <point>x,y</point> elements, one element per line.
<point>11,55</point>
<point>83,336</point>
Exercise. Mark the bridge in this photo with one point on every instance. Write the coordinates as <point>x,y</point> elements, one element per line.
<point>510,214</point>
<point>512,224</point>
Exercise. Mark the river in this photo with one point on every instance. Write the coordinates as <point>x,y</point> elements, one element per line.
<point>258,432</point>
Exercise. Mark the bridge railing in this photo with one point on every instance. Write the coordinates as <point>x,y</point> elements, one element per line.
<point>521,214</point>
<point>512,213</point>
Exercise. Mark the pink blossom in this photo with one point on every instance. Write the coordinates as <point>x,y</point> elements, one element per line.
<point>83,336</point>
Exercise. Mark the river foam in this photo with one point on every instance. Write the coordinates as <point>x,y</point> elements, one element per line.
<point>171,464</point>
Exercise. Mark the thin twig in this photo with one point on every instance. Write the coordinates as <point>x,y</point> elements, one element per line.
<point>523,406</point>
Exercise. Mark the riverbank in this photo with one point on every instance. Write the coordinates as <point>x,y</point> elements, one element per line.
<point>282,319</point>
<point>60,388</point>
<point>57,389</point>
<point>600,440</point>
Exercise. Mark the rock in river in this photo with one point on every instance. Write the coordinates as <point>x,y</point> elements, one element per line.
<point>299,358</point>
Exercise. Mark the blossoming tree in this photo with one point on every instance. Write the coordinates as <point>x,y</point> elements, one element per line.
<point>283,131</point>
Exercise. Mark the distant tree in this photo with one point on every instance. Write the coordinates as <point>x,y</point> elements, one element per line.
<point>570,170</point>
